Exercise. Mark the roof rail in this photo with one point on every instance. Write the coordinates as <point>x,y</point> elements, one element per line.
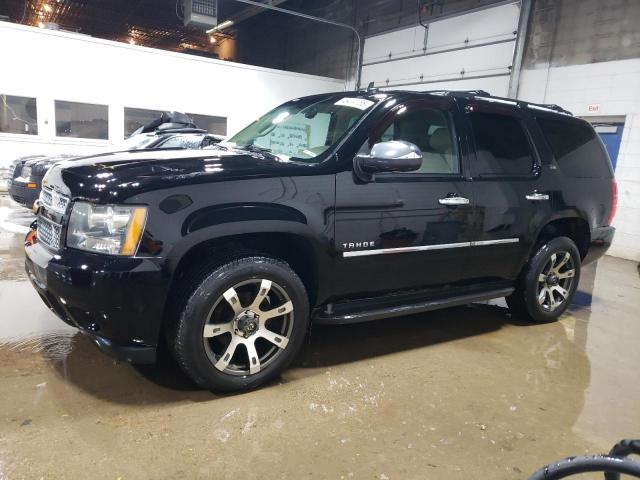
<point>557,108</point>
<point>484,93</point>
<point>477,93</point>
<point>180,129</point>
<point>549,106</point>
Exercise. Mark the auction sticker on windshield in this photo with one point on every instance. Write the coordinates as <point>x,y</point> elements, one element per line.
<point>359,103</point>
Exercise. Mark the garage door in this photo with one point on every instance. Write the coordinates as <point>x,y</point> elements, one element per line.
<point>466,52</point>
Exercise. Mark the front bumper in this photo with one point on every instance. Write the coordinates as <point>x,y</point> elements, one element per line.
<point>117,301</point>
<point>22,194</point>
<point>601,239</point>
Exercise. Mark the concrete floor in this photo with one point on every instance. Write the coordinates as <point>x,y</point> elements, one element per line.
<point>458,394</point>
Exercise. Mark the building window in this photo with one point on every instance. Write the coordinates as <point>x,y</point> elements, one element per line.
<point>135,118</point>
<point>215,125</point>
<point>82,120</point>
<point>18,115</point>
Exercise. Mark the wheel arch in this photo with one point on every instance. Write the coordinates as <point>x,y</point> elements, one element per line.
<point>572,226</point>
<point>289,241</point>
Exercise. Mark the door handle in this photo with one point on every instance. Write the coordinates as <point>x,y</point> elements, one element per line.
<point>454,201</point>
<point>537,196</point>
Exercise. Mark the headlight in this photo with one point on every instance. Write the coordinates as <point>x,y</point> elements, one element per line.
<point>112,229</point>
<point>26,172</point>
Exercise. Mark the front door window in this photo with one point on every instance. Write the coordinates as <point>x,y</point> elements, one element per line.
<point>431,130</point>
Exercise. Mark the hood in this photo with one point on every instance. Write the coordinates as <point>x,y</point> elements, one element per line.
<point>47,159</point>
<point>28,158</point>
<point>113,177</point>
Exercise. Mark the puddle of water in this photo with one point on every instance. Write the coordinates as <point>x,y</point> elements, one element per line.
<point>26,324</point>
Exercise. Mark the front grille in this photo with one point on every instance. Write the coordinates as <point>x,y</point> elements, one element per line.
<point>46,198</point>
<point>53,200</point>
<point>19,199</point>
<point>48,232</point>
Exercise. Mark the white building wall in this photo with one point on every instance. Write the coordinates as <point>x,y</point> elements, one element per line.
<point>50,65</point>
<point>615,87</point>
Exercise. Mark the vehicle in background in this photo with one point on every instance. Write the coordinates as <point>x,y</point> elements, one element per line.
<point>337,208</point>
<point>7,173</point>
<point>175,130</point>
<point>25,176</point>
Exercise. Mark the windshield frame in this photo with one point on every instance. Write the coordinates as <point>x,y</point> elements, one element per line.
<point>330,151</point>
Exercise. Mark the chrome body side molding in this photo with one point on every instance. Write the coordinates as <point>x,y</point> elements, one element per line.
<point>422,248</point>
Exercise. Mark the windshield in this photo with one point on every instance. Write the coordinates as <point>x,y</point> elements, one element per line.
<point>305,129</point>
<point>136,142</point>
<point>192,140</point>
<point>144,141</point>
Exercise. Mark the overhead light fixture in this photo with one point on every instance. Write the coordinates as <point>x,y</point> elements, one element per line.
<point>221,26</point>
<point>212,39</point>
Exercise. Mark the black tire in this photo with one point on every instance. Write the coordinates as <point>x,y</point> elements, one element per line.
<point>524,301</point>
<point>196,355</point>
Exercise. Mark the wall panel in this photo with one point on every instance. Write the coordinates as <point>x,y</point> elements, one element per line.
<point>54,65</point>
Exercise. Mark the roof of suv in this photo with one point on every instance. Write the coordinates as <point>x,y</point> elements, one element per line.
<point>468,94</point>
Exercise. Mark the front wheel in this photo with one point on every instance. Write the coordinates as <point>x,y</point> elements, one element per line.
<point>548,282</point>
<point>242,324</point>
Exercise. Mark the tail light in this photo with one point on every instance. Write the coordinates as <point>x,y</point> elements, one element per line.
<point>614,201</point>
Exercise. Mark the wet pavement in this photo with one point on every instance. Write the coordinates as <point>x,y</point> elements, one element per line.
<point>456,394</point>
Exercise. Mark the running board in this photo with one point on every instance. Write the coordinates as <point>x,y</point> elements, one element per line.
<point>357,316</point>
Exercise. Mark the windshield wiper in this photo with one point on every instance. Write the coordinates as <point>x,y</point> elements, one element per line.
<point>254,148</point>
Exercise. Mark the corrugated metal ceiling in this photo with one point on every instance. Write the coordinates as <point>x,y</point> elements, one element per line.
<point>152,23</point>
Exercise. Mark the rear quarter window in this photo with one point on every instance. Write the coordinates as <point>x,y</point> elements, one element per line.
<point>576,147</point>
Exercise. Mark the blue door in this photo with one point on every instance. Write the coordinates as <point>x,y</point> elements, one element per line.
<point>611,135</point>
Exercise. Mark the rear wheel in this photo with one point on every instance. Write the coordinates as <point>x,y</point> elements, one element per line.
<point>548,282</point>
<point>242,324</point>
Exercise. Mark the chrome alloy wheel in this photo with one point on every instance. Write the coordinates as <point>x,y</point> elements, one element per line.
<point>555,281</point>
<point>248,327</point>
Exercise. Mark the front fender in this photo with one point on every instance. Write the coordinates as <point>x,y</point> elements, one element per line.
<point>240,228</point>
<point>240,212</point>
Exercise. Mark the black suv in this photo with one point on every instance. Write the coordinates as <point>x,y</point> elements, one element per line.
<point>334,208</point>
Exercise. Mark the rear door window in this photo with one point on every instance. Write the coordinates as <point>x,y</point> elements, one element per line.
<point>576,147</point>
<point>502,145</point>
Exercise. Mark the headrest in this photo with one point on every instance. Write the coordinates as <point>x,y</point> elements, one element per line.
<point>440,140</point>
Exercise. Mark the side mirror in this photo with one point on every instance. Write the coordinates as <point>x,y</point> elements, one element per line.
<point>392,156</point>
